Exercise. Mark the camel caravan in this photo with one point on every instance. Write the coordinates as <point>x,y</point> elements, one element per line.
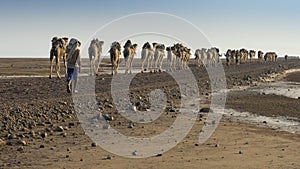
<point>243,56</point>
<point>152,56</point>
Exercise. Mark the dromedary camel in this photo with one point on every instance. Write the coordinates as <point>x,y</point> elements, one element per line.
<point>148,55</point>
<point>129,52</point>
<point>57,51</point>
<point>95,51</point>
<point>115,52</point>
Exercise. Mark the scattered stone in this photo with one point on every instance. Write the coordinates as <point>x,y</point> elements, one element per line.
<point>42,146</point>
<point>64,134</point>
<point>9,143</point>
<point>44,134</point>
<point>71,124</point>
<point>108,157</point>
<point>158,155</point>
<point>107,117</point>
<point>217,145</point>
<point>130,125</point>
<point>298,97</point>
<point>12,136</point>
<point>68,149</point>
<point>205,110</point>
<point>52,148</point>
<point>265,122</point>
<point>94,144</point>
<point>110,106</point>
<point>67,156</point>
<point>23,142</point>
<point>59,129</point>
<point>196,144</point>
<point>240,152</point>
<point>62,103</point>
<point>133,108</point>
<point>134,153</point>
<point>137,104</point>
<point>20,149</point>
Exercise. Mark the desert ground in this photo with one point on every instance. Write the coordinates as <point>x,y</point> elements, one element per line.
<point>39,127</point>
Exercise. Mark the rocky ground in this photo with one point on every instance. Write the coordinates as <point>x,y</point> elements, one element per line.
<point>40,129</point>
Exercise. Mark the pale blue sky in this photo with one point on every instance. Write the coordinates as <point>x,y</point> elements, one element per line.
<point>271,25</point>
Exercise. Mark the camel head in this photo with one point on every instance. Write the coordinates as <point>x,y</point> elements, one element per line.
<point>127,44</point>
<point>146,45</point>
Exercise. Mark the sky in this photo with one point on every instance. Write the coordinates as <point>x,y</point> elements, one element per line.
<point>27,27</point>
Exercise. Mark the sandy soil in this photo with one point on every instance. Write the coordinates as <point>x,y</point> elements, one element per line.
<point>33,106</point>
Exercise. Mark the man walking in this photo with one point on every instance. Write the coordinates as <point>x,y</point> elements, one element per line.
<point>73,64</point>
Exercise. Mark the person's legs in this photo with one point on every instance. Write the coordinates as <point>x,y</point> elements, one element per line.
<point>69,79</point>
<point>75,77</point>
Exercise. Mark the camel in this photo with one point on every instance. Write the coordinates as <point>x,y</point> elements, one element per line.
<point>179,52</point>
<point>95,51</point>
<point>251,54</point>
<point>243,55</point>
<point>148,55</point>
<point>198,57</point>
<point>129,52</point>
<point>115,52</point>
<point>186,57</point>
<point>58,50</point>
<point>270,56</point>
<point>260,55</point>
<point>171,58</point>
<point>158,57</point>
<point>229,57</point>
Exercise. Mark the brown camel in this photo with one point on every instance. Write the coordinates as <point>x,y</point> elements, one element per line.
<point>58,50</point>
<point>115,52</point>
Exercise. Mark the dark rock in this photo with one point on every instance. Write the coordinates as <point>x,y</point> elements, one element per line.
<point>94,144</point>
<point>59,129</point>
<point>9,143</point>
<point>12,136</point>
<point>265,122</point>
<point>205,110</point>
<point>44,134</point>
<point>71,124</point>
<point>158,155</point>
<point>22,142</point>
<point>107,117</point>
<point>42,146</point>
<point>131,125</point>
<point>20,149</point>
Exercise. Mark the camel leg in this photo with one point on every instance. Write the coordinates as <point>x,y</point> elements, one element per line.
<point>126,65</point>
<point>143,62</point>
<point>57,67</point>
<point>130,66</point>
<point>51,65</point>
<point>98,64</point>
<point>91,66</point>
<point>160,63</point>
<point>65,65</point>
